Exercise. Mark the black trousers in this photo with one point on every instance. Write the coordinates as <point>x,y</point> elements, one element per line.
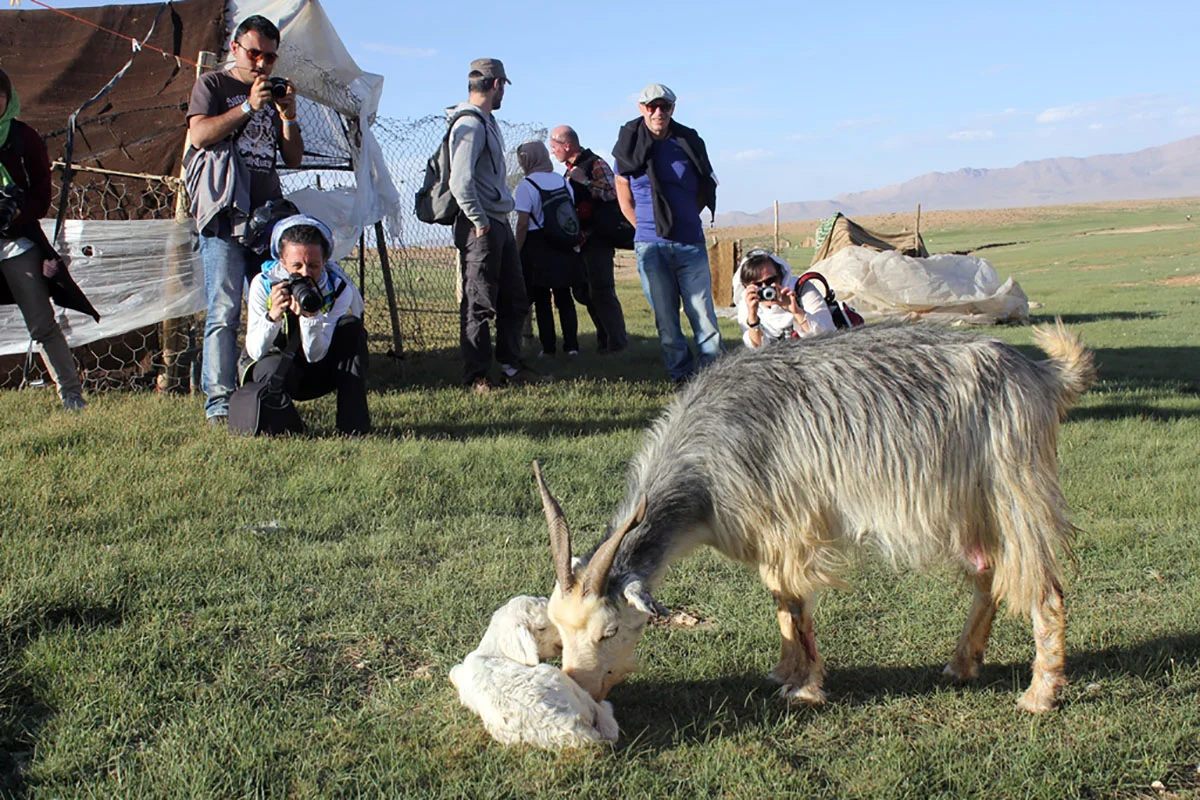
<point>602,304</point>
<point>342,370</point>
<point>493,289</point>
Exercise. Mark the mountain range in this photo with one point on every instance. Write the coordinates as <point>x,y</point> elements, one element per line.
<point>1169,170</point>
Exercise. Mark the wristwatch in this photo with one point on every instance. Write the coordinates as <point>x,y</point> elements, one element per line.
<point>754,324</point>
<point>247,109</point>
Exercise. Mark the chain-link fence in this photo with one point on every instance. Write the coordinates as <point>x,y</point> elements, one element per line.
<point>407,270</point>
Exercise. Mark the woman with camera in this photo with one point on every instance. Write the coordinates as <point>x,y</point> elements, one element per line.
<point>301,287</point>
<point>31,272</point>
<point>770,307</point>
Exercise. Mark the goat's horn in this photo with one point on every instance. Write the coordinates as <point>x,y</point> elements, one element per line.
<point>560,534</point>
<point>595,580</point>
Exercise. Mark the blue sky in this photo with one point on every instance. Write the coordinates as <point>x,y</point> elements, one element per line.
<point>803,101</point>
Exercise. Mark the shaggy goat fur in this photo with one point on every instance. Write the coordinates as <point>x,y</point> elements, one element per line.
<point>927,444</point>
<point>521,700</point>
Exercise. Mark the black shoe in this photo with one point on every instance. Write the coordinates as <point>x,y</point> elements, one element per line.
<point>524,376</point>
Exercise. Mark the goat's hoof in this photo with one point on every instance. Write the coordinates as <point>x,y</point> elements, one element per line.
<point>1039,700</point>
<point>957,672</point>
<point>803,695</point>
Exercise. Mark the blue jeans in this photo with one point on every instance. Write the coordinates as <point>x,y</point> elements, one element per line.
<point>672,272</point>
<point>227,267</point>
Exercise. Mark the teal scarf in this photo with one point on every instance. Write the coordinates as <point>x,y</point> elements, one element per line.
<point>10,113</point>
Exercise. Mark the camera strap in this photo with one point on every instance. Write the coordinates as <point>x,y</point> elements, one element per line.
<point>275,384</point>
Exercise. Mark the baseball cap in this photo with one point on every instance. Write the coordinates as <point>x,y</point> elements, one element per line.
<point>489,68</point>
<point>656,91</point>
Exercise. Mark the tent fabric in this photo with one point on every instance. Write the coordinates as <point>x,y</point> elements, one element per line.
<point>56,64</point>
<point>945,288</point>
<point>845,232</point>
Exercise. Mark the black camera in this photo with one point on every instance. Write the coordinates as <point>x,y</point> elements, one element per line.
<point>10,205</point>
<point>305,292</point>
<point>770,292</point>
<point>279,87</point>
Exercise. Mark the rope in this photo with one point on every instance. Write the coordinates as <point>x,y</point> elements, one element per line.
<point>133,42</point>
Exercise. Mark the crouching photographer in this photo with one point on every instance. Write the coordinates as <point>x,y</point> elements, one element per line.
<point>771,307</point>
<point>305,319</point>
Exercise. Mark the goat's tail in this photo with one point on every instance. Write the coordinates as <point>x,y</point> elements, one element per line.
<point>1069,359</point>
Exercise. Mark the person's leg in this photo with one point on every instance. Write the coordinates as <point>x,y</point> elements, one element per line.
<point>605,308</point>
<point>656,269</point>
<point>226,267</point>
<point>23,274</point>
<point>513,304</point>
<point>695,286</point>
<point>544,311</point>
<point>342,370</point>
<point>568,317</point>
<point>479,260</point>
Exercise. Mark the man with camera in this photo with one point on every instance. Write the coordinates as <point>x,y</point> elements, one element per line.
<point>238,118</point>
<point>301,287</point>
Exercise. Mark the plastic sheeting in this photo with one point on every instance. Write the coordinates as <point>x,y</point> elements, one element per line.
<point>948,289</point>
<point>135,274</point>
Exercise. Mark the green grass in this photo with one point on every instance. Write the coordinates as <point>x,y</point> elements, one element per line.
<point>186,613</point>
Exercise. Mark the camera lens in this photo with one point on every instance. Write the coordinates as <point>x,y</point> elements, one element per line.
<point>279,87</point>
<point>768,293</point>
<point>305,293</point>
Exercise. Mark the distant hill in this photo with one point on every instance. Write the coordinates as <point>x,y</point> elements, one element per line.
<point>1171,170</point>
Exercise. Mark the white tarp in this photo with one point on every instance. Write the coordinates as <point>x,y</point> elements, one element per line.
<point>135,274</point>
<point>948,289</point>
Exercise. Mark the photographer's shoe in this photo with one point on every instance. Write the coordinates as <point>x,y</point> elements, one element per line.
<point>73,401</point>
<point>524,376</point>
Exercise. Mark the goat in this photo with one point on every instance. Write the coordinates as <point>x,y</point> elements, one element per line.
<point>928,444</point>
<point>521,700</point>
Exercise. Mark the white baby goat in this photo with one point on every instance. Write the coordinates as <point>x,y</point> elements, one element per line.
<point>521,700</point>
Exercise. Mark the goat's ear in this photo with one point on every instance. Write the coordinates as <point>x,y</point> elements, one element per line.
<point>519,644</point>
<point>639,598</point>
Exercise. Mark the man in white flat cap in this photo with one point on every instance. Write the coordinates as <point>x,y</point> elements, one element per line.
<point>664,179</point>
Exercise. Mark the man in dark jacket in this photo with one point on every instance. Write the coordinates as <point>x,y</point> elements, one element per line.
<point>663,180</point>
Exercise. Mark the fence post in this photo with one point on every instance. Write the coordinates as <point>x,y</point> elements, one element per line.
<point>393,312</point>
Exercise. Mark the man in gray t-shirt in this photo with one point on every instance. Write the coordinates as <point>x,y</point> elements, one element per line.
<point>238,106</point>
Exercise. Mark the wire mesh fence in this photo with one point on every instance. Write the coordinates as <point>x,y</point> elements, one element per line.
<point>407,270</point>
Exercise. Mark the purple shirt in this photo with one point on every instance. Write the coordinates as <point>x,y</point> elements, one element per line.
<point>680,185</point>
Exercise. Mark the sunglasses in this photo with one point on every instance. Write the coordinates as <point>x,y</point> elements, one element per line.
<point>666,108</point>
<point>258,55</point>
<point>766,281</point>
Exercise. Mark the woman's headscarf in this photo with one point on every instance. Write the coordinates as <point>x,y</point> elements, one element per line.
<point>10,113</point>
<point>534,157</point>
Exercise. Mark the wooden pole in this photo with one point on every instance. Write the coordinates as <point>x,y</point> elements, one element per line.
<point>917,231</point>
<point>776,250</point>
<point>385,266</point>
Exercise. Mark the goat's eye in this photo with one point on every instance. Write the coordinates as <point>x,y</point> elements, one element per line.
<point>609,633</point>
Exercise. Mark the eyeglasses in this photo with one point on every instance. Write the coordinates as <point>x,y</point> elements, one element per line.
<point>259,55</point>
<point>665,108</point>
<point>766,281</point>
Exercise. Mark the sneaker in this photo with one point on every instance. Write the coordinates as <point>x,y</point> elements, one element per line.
<point>73,401</point>
<point>572,352</point>
<point>217,420</point>
<point>545,354</point>
<point>524,376</point>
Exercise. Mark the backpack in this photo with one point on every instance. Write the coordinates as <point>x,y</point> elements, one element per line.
<point>843,315</point>
<point>560,222</point>
<point>434,203</point>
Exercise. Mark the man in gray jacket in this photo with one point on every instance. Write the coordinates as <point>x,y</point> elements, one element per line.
<point>493,288</point>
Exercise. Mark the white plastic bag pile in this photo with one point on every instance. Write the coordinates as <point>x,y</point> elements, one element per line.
<point>947,289</point>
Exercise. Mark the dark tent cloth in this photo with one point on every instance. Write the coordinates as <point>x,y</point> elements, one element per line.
<point>848,233</point>
<point>57,63</point>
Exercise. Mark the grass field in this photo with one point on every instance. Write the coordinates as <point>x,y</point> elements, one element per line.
<point>188,614</point>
